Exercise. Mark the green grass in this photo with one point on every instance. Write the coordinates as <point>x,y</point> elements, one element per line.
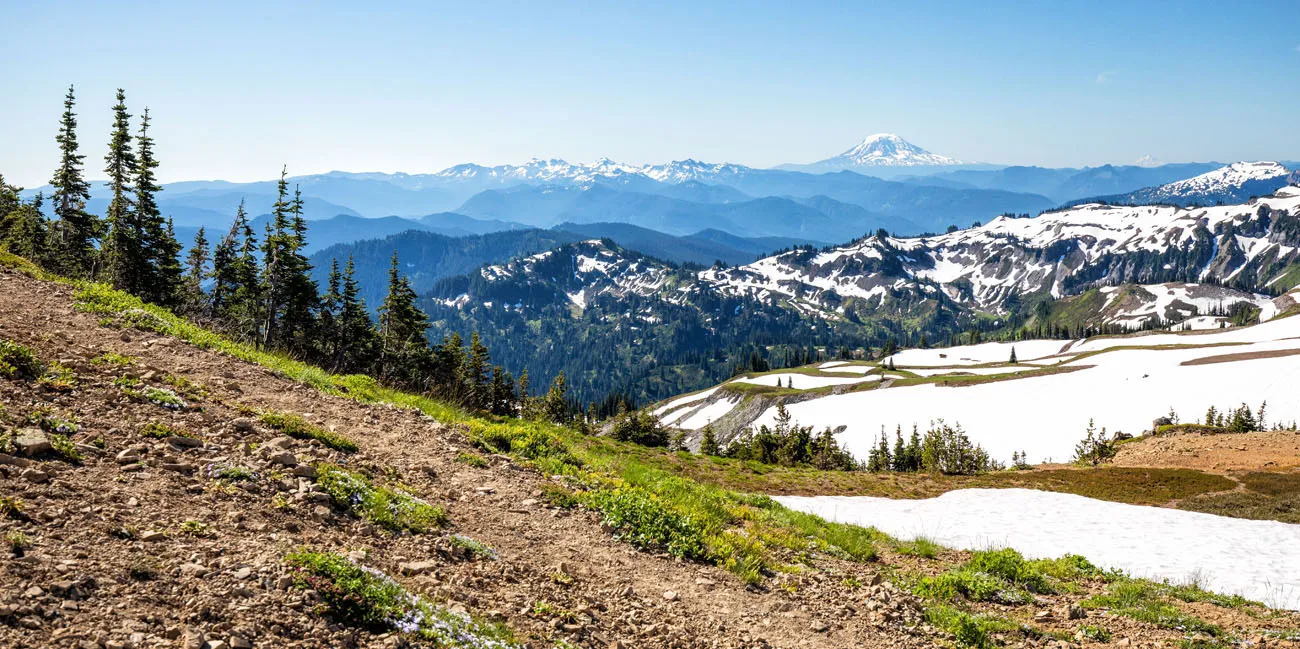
<point>475,548</point>
<point>1268,496</point>
<point>17,541</point>
<point>299,428</point>
<point>1095,633</point>
<point>1006,577</point>
<point>391,509</point>
<point>968,630</point>
<point>1149,602</point>
<point>366,598</point>
<point>642,519</point>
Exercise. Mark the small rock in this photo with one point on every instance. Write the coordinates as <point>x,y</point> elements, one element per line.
<point>34,591</point>
<point>818,626</point>
<point>182,441</point>
<point>284,457</point>
<point>32,441</point>
<point>1123,642</point>
<point>35,475</point>
<point>671,596</point>
<point>128,456</point>
<point>179,467</point>
<point>193,570</point>
<point>152,535</point>
<point>240,642</point>
<point>705,581</point>
<point>241,574</point>
<point>132,468</point>
<point>417,567</point>
<point>217,644</point>
<point>304,471</point>
<point>243,424</point>
<point>485,490</point>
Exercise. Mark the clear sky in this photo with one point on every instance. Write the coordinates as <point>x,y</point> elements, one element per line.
<point>236,89</point>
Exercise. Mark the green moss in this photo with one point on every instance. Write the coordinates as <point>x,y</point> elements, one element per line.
<point>472,459</point>
<point>157,430</point>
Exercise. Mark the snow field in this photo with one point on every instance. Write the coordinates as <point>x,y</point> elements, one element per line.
<point>681,401</point>
<point>1255,559</point>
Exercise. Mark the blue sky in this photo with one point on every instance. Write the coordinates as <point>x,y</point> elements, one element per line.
<point>237,89</point>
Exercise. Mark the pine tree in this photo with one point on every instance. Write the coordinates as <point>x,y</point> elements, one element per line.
<point>123,263</point>
<point>709,442</point>
<point>302,301</point>
<point>234,277</point>
<point>23,232</point>
<point>401,331</point>
<point>474,374</point>
<point>161,249</point>
<point>9,200</point>
<point>503,398</point>
<point>357,340</point>
<point>196,272</point>
<point>276,266</point>
<point>1013,355</point>
<point>556,405</point>
<point>72,246</point>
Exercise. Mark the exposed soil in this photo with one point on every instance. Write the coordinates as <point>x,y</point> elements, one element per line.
<point>1218,453</point>
<point>113,563</point>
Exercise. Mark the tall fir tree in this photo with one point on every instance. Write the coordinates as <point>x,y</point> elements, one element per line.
<point>76,230</point>
<point>123,260</point>
<point>196,272</point>
<point>301,295</point>
<point>401,331</point>
<point>474,375</point>
<point>357,339</point>
<point>162,250</point>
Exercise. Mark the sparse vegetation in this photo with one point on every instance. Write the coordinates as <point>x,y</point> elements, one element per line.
<point>144,568</point>
<point>58,378</point>
<point>391,509</point>
<point>367,598</point>
<point>474,548</point>
<point>1149,602</point>
<point>51,423</point>
<point>643,520</point>
<point>195,528</point>
<point>17,541</point>
<point>19,361</point>
<point>159,430</point>
<point>161,397</point>
<point>113,360</point>
<point>65,448</point>
<point>11,507</point>
<point>1094,448</point>
<point>786,443</point>
<point>299,428</point>
<point>472,459</point>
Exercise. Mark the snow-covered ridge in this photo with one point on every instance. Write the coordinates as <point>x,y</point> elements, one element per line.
<point>1061,252</point>
<point>1233,175</point>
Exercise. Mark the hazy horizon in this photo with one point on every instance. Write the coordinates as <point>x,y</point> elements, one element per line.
<point>417,88</point>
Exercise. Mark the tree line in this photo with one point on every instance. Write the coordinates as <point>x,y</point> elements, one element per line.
<point>259,291</point>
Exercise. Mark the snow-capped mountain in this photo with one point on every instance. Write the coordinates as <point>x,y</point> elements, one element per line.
<point>889,150</point>
<point>1233,183</point>
<point>881,153</point>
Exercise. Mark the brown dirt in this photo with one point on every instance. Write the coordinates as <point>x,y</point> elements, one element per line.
<point>1243,356</point>
<point>1219,453</point>
<point>73,587</point>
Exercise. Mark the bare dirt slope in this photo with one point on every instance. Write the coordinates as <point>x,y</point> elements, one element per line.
<point>1257,451</point>
<point>92,526</point>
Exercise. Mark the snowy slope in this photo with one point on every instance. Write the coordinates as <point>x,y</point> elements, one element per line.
<point>1255,559</point>
<point>1231,184</point>
<point>1043,404</point>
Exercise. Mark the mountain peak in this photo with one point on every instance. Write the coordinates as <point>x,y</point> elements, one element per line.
<point>890,150</point>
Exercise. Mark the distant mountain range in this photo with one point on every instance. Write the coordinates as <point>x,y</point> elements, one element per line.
<point>1231,184</point>
<point>837,199</point>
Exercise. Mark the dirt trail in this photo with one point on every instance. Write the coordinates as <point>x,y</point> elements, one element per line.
<point>73,586</point>
<point>1257,451</point>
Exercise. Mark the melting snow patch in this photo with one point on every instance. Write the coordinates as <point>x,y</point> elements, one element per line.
<point>1255,559</point>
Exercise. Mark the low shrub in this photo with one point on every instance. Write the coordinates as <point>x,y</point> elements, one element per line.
<point>640,518</point>
<point>112,359</point>
<point>474,548</point>
<point>158,430</point>
<point>19,361</point>
<point>394,510</point>
<point>989,576</point>
<point>472,459</point>
<point>1149,602</point>
<point>58,378</point>
<point>299,428</point>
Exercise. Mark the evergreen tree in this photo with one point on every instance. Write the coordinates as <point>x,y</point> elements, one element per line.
<point>123,261</point>
<point>196,272</point>
<point>503,398</point>
<point>162,284</point>
<point>23,231</point>
<point>276,266</point>
<point>556,406</point>
<point>72,245</point>
<point>401,332</point>
<point>1013,355</point>
<point>233,300</point>
<point>302,301</point>
<point>356,344</point>
<point>474,375</point>
<point>9,200</point>
<point>709,442</point>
